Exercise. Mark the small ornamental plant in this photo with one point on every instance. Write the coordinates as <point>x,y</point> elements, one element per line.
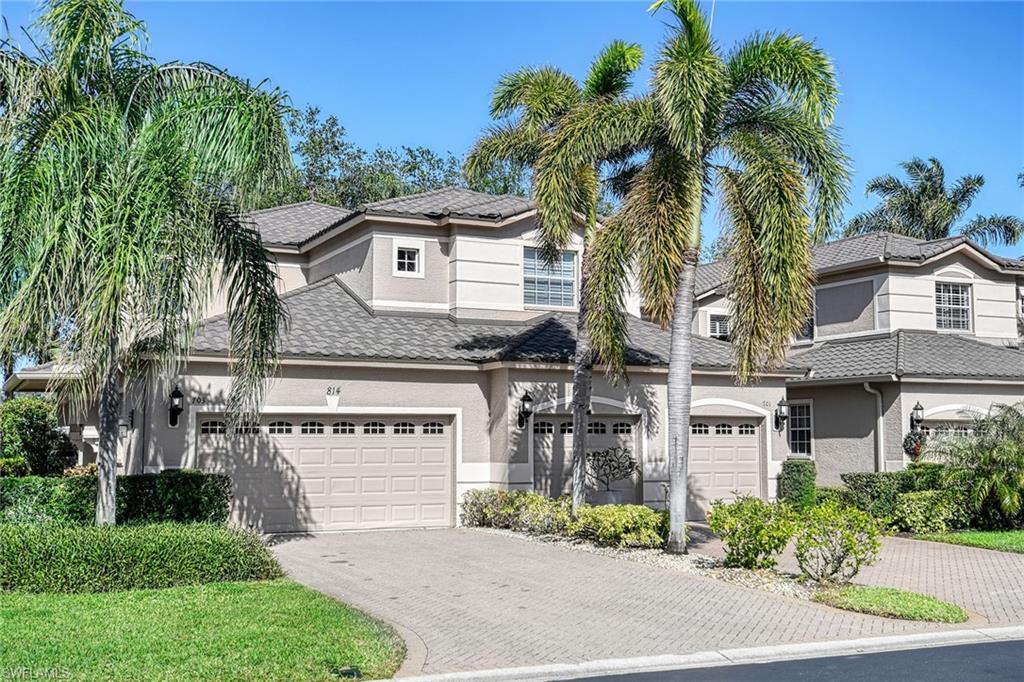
<point>605,467</point>
<point>913,444</point>
<point>834,543</point>
<point>753,531</point>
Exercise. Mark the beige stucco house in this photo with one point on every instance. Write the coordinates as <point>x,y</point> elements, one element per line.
<point>420,324</point>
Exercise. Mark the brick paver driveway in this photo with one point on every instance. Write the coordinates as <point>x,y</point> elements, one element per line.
<point>479,600</point>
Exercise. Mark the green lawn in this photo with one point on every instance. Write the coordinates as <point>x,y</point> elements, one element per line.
<point>277,630</point>
<point>891,603</point>
<point>1002,540</point>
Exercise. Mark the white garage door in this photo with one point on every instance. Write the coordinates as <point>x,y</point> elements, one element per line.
<point>725,458</point>
<point>552,448</point>
<point>313,472</point>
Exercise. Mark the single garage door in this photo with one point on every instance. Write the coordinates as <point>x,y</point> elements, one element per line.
<point>725,459</point>
<point>312,472</point>
<point>552,448</point>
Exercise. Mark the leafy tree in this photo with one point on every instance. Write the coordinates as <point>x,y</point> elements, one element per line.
<point>532,102</point>
<point>754,125</point>
<point>119,180</point>
<point>925,208</point>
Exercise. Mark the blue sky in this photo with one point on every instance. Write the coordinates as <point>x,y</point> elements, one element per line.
<point>939,79</point>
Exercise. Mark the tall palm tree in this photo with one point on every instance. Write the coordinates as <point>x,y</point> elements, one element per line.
<point>119,182</point>
<point>533,102</point>
<point>754,125</point>
<point>926,209</point>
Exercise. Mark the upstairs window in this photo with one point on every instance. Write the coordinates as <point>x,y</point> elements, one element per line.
<point>549,284</point>
<point>407,260</point>
<point>953,306</point>
<point>718,327</point>
<point>800,428</point>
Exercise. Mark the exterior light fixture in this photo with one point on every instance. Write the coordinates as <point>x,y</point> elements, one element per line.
<point>916,417</point>
<point>177,406</point>
<point>525,408</point>
<point>781,415</point>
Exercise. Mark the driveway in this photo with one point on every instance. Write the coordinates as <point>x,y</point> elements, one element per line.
<point>476,600</point>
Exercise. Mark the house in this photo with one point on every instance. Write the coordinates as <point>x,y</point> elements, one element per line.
<point>430,348</point>
<point>898,323</point>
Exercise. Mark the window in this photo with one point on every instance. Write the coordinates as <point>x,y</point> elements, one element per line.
<point>718,327</point>
<point>280,428</point>
<point>952,306</point>
<point>373,428</point>
<point>565,428</point>
<point>247,428</point>
<point>621,428</point>
<point>407,260</point>
<point>433,429</point>
<point>800,428</point>
<point>549,284</point>
<point>699,429</point>
<point>747,430</point>
<point>213,427</point>
<point>723,429</point>
<point>312,429</point>
<point>597,428</point>
<point>343,428</point>
<point>543,427</point>
<point>404,429</point>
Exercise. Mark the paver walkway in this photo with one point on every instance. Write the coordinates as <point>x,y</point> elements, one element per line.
<point>479,600</point>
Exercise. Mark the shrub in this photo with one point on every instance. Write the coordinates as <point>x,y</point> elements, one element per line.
<point>832,495</point>
<point>59,558</point>
<point>184,496</point>
<point>544,516</point>
<point>876,492</point>
<point>753,531</point>
<point>13,466</point>
<point>925,476</point>
<point>478,505</point>
<point>796,483</point>
<point>622,525</point>
<point>832,543</point>
<point>29,429</point>
<point>605,467</point>
<point>84,470</point>
<point>930,511</point>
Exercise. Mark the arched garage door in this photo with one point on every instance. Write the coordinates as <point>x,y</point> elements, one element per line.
<point>725,459</point>
<point>317,472</point>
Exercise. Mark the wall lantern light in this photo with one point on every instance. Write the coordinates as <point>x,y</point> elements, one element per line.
<point>916,417</point>
<point>525,408</point>
<point>177,405</point>
<point>781,415</point>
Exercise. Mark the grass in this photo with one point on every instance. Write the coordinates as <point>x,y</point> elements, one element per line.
<point>1001,540</point>
<point>891,603</point>
<point>276,630</point>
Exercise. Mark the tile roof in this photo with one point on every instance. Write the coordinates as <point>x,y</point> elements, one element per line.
<point>877,246</point>
<point>327,321</point>
<point>908,352</point>
<point>295,223</point>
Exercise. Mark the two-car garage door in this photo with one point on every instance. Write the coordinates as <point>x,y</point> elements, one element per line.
<point>311,472</point>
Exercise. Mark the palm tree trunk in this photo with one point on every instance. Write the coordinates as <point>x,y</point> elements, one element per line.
<point>106,458</point>
<point>680,391</point>
<point>582,386</point>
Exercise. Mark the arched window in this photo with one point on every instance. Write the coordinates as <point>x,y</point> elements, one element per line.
<point>433,429</point>
<point>565,428</point>
<point>747,429</point>
<point>343,428</point>
<point>213,427</point>
<point>723,429</point>
<point>280,428</point>
<point>373,428</point>
<point>699,429</point>
<point>312,429</point>
<point>247,428</point>
<point>597,428</point>
<point>621,428</point>
<point>543,427</point>
<point>404,429</point>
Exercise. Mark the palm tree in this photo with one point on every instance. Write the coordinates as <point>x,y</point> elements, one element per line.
<point>755,126</point>
<point>119,182</point>
<point>926,209</point>
<point>534,101</point>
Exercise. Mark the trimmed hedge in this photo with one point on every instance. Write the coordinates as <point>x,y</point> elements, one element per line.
<point>622,525</point>
<point>61,558</point>
<point>184,496</point>
<point>13,466</point>
<point>877,492</point>
<point>930,511</point>
<point>837,495</point>
<point>796,483</point>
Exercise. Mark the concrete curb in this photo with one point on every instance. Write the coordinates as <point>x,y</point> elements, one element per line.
<point>705,659</point>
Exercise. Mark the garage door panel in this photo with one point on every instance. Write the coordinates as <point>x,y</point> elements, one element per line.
<point>374,455</point>
<point>343,485</point>
<point>312,456</point>
<point>432,455</point>
<point>343,456</point>
<point>406,455</point>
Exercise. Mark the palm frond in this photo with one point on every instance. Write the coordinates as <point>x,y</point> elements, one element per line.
<point>609,258</point>
<point>994,229</point>
<point>504,143</point>
<point>611,72</point>
<point>539,95</point>
<point>963,194</point>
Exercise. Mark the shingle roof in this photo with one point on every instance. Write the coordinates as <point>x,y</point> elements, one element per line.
<point>326,321</point>
<point>878,246</point>
<point>917,353</point>
<point>295,223</point>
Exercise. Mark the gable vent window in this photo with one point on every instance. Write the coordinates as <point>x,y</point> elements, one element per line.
<point>373,428</point>
<point>747,430</point>
<point>621,428</point>
<point>433,429</point>
<point>953,306</point>
<point>247,428</point>
<point>279,428</point>
<point>565,428</point>
<point>723,429</point>
<point>597,428</point>
<point>343,429</point>
<point>312,429</point>
<point>718,327</point>
<point>699,429</point>
<point>212,428</point>
<point>549,284</point>
<point>543,427</point>
<point>407,260</point>
<point>405,429</point>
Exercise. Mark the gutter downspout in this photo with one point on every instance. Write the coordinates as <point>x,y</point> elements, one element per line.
<point>879,427</point>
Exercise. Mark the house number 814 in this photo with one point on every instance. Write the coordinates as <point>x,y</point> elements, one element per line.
<point>334,390</point>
